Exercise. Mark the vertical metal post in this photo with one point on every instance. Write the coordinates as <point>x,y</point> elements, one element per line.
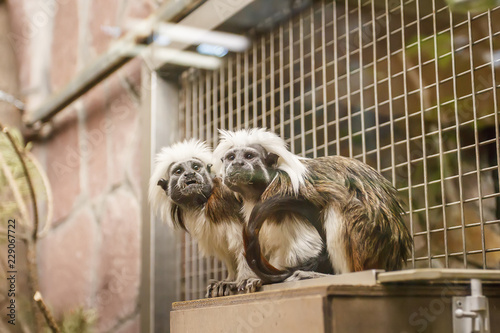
<point>476,138</point>
<point>254,85</point>
<point>375,82</point>
<point>424,148</point>
<point>302,89</point>
<point>159,242</point>
<point>313,86</point>
<point>282,80</point>
<point>336,75</point>
<point>263,80</point>
<point>348,73</point>
<point>361,83</point>
<point>292,94</point>
<point>238,91</point>
<point>389,80</point>
<point>230,92</point>
<point>408,134</point>
<point>324,82</point>
<point>272,88</point>
<point>440,136</point>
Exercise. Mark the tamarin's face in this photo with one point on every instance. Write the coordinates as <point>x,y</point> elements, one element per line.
<point>247,169</point>
<point>189,183</point>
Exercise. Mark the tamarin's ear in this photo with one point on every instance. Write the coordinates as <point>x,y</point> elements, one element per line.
<point>271,159</point>
<point>209,168</point>
<point>163,183</point>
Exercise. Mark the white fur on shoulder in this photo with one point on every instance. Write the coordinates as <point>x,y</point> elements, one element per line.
<point>272,143</point>
<point>178,152</point>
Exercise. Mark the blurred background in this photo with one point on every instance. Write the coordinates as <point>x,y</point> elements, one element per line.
<point>91,90</point>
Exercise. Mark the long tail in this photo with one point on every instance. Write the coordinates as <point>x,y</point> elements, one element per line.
<point>261,212</point>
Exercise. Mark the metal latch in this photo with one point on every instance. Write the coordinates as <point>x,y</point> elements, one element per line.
<point>471,313</point>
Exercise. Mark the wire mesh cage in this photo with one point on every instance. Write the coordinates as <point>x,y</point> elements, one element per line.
<point>405,86</point>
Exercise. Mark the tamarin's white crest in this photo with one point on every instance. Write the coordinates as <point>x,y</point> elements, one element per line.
<point>272,143</point>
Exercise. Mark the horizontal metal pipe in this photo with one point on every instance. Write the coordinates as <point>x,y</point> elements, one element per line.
<point>117,55</point>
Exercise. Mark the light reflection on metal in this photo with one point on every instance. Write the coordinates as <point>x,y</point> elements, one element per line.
<point>161,40</point>
<point>6,97</point>
<point>213,50</point>
<point>112,31</point>
<point>177,57</point>
<point>196,36</point>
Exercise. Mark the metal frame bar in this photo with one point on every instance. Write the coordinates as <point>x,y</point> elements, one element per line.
<point>476,140</point>
<point>156,294</point>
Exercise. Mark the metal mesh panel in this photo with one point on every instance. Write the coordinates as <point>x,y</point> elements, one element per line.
<point>407,87</point>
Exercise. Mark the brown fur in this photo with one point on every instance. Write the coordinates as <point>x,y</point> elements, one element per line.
<point>374,232</point>
<point>221,203</point>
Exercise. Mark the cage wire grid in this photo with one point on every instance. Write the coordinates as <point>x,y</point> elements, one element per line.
<point>405,86</point>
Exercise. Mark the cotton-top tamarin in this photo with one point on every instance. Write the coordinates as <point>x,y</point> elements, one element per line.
<point>185,194</point>
<point>305,203</point>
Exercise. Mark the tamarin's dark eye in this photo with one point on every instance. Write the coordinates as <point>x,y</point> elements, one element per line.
<point>230,157</point>
<point>178,171</point>
<point>248,156</point>
<point>196,167</point>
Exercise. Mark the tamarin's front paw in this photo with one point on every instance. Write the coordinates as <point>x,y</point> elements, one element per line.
<point>220,288</point>
<point>250,285</point>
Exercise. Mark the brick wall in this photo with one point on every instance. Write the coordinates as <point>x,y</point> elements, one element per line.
<point>91,256</point>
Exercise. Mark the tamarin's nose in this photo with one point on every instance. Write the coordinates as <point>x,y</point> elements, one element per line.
<point>189,174</point>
